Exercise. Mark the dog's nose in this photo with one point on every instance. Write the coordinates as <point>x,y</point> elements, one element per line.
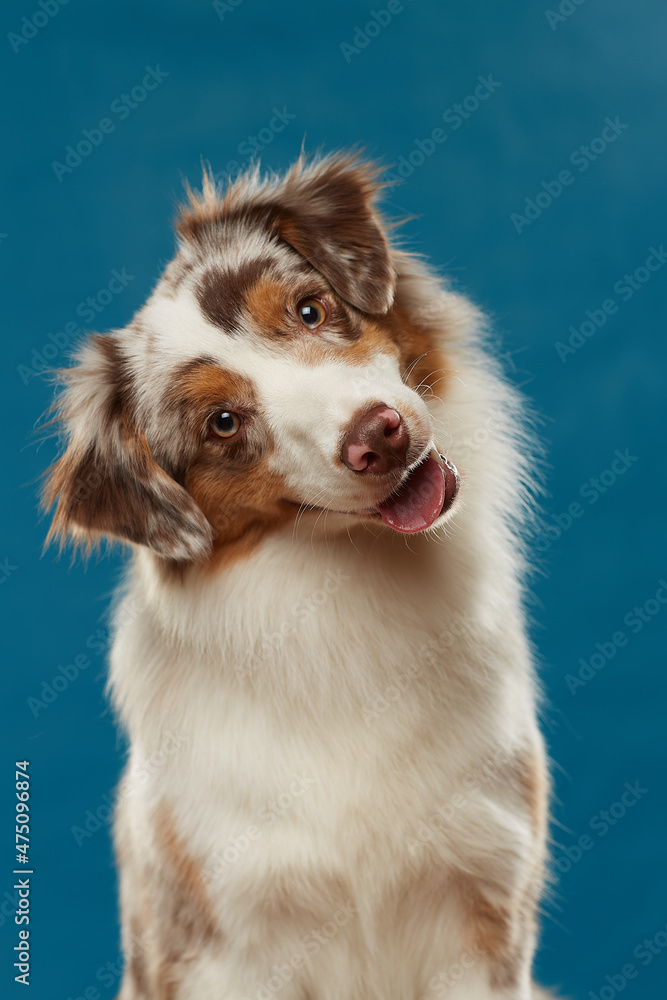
<point>376,443</point>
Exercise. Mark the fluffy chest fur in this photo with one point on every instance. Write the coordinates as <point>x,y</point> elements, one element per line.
<point>377,757</point>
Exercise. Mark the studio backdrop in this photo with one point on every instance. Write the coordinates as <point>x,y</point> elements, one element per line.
<point>526,145</point>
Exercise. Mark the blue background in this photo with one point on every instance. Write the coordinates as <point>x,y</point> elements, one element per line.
<point>61,239</point>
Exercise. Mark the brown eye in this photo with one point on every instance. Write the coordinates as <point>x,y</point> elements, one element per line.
<point>225,424</point>
<point>312,313</point>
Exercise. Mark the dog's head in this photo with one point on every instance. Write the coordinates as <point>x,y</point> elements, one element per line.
<point>272,369</point>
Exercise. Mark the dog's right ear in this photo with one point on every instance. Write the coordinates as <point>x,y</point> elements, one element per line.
<point>107,483</point>
<point>325,211</point>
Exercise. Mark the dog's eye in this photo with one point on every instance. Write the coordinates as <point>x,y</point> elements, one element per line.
<point>225,424</point>
<point>312,313</point>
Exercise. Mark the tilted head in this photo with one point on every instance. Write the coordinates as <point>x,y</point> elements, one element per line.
<point>277,364</point>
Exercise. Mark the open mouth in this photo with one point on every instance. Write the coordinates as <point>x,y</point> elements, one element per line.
<point>427,493</point>
<point>422,497</point>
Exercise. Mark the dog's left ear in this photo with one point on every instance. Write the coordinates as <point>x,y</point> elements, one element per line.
<point>107,482</point>
<point>326,212</point>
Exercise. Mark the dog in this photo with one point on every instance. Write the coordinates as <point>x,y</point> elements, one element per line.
<point>336,786</point>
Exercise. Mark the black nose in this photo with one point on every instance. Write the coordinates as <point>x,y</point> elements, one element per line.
<point>376,443</point>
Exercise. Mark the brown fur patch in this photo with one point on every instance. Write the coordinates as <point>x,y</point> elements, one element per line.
<point>492,928</point>
<point>185,919</point>
<point>136,960</point>
<point>128,497</point>
<point>502,928</point>
<point>533,783</point>
<point>243,506</point>
<point>360,338</point>
<point>423,363</point>
<point>266,304</point>
<point>531,775</point>
<point>424,888</point>
<point>197,389</point>
<point>230,481</point>
<point>304,898</point>
<point>222,293</point>
<point>185,875</point>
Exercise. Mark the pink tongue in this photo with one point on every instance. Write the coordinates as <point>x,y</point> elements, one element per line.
<point>419,501</point>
